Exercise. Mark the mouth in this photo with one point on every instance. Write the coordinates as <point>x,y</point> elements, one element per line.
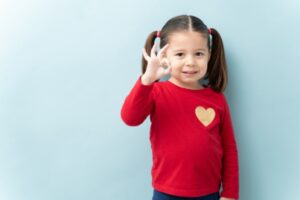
<point>189,72</point>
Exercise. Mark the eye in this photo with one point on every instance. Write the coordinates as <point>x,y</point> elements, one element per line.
<point>200,54</point>
<point>179,54</point>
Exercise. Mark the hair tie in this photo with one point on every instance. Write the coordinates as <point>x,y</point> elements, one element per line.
<point>158,34</point>
<point>209,30</point>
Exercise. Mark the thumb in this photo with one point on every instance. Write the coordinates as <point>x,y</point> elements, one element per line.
<point>168,70</point>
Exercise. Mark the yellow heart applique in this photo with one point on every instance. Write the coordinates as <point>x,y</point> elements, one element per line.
<point>205,116</point>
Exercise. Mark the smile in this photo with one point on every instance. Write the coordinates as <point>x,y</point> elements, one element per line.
<point>189,72</point>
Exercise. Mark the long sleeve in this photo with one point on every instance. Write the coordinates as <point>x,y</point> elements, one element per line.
<point>230,168</point>
<point>138,104</point>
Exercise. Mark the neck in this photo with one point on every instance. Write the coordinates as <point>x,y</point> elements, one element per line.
<point>191,86</point>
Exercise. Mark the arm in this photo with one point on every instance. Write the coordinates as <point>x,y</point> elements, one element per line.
<point>230,168</point>
<point>138,104</point>
<point>140,101</point>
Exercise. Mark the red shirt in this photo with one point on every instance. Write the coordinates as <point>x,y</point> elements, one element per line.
<point>192,139</point>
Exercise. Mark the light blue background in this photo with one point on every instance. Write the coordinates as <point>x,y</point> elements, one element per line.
<point>66,67</point>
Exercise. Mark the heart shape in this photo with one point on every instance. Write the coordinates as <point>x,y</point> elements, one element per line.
<point>205,116</point>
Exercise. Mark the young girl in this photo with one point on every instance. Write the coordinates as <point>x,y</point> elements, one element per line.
<point>192,139</point>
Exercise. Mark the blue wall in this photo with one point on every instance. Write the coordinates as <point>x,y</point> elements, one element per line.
<point>67,65</point>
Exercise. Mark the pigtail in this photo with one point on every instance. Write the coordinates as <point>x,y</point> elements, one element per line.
<point>217,67</point>
<point>148,46</point>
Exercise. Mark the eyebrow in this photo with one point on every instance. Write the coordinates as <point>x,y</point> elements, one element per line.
<point>184,50</point>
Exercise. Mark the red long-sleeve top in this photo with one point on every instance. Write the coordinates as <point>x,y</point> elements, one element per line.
<point>191,156</point>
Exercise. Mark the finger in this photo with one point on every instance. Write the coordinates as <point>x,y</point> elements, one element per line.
<point>146,56</point>
<point>153,50</point>
<point>168,63</point>
<point>164,62</point>
<point>168,70</point>
<point>163,50</point>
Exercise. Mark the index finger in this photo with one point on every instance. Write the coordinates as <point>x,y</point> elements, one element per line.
<point>163,50</point>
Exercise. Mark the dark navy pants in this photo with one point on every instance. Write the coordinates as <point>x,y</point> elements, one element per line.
<point>157,195</point>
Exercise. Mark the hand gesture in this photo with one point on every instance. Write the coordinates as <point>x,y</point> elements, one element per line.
<point>155,65</point>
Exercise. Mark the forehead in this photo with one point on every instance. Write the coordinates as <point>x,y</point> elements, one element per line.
<point>187,40</point>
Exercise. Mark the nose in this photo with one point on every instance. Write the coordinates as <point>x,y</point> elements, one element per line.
<point>190,60</point>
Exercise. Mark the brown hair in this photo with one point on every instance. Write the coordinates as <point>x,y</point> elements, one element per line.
<point>217,68</point>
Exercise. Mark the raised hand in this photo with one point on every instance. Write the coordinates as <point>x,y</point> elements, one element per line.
<point>155,65</point>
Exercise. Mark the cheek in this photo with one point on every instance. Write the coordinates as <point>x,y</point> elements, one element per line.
<point>176,66</point>
<point>176,62</point>
<point>203,64</point>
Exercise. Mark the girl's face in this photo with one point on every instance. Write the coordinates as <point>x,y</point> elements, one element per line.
<point>188,56</point>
